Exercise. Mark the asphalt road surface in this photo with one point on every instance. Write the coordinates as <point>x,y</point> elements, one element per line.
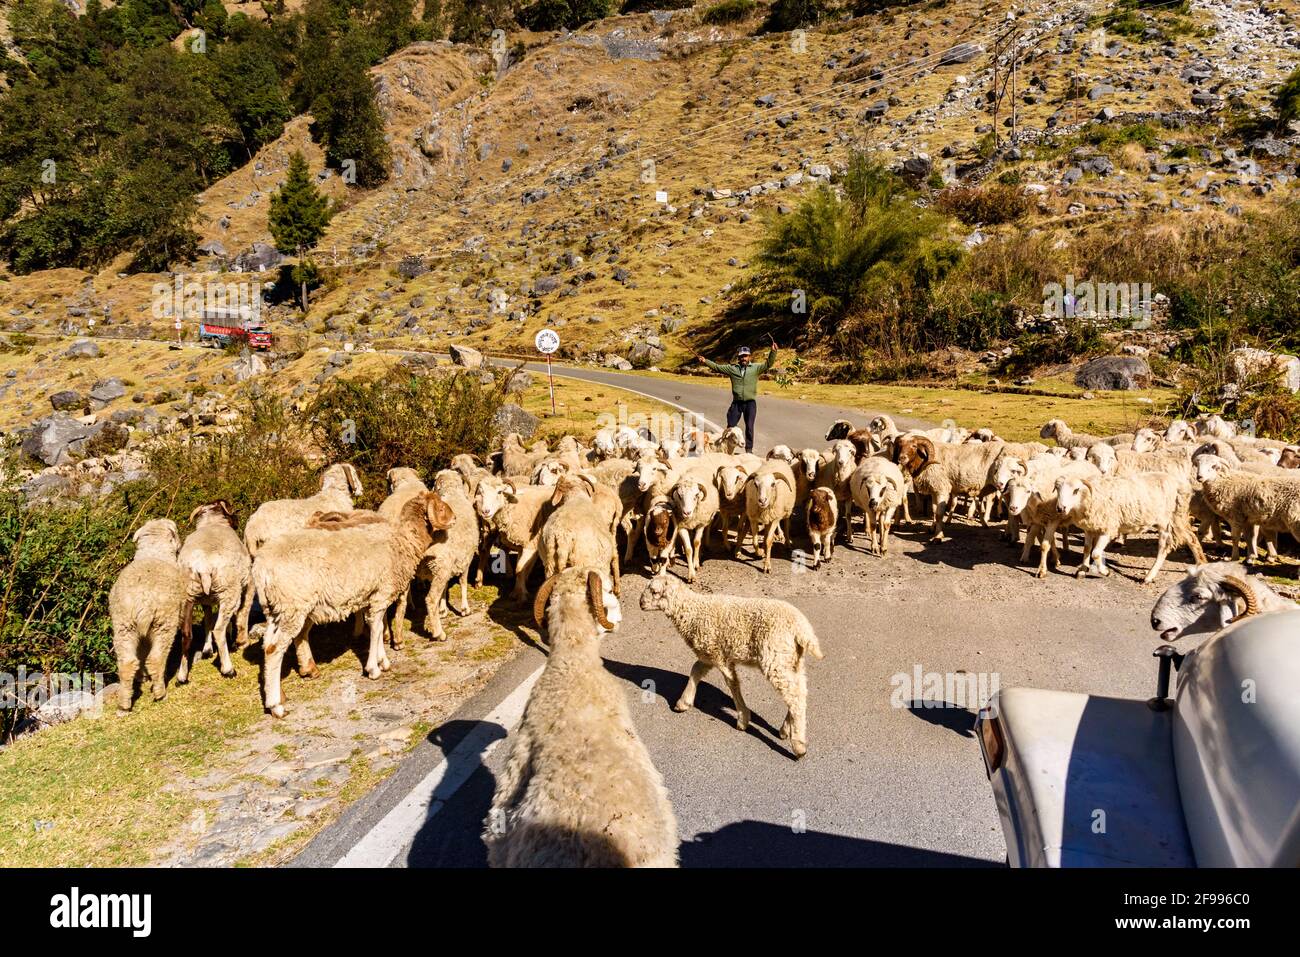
<point>893,776</point>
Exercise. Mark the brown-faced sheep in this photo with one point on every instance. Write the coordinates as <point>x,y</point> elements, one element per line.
<point>320,575</point>
<point>821,518</point>
<point>578,788</point>
<point>145,606</point>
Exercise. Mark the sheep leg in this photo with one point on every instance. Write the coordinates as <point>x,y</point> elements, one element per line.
<point>209,625</point>
<point>527,558</point>
<point>127,665</point>
<point>1099,554</point>
<point>698,559</point>
<point>767,546</point>
<point>187,637</point>
<point>886,526</point>
<point>1031,538</point>
<point>275,642</point>
<point>732,677</point>
<point>398,630</point>
<point>741,525</point>
<point>688,552</point>
<point>432,608</point>
<point>155,663</point>
<point>306,663</point>
<point>792,686</point>
<point>464,592</point>
<point>245,609</point>
<point>1237,534</point>
<point>633,538</point>
<point>224,614</point>
<point>687,699</point>
<point>484,553</point>
<point>940,513</point>
<point>377,661</point>
<point>1165,539</point>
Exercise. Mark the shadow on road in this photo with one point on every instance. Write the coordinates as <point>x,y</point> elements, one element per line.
<point>712,701</point>
<point>451,836</point>
<point>756,844</point>
<point>944,715</point>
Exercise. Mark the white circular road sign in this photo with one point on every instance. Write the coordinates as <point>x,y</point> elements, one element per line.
<point>547,341</point>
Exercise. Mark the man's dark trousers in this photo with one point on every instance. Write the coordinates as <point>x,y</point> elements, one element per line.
<point>747,408</point>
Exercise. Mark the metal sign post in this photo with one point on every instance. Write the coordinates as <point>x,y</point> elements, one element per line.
<point>547,341</point>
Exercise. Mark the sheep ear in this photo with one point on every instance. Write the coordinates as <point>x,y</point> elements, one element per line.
<point>596,600</point>
<point>543,596</point>
<point>558,494</point>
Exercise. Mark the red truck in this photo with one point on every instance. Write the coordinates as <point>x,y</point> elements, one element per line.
<point>257,336</point>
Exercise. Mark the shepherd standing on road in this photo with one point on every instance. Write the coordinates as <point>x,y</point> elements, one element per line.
<point>744,388</point>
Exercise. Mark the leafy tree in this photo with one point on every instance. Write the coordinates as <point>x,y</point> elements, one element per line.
<point>298,217</point>
<point>348,123</point>
<point>793,14</point>
<point>251,89</point>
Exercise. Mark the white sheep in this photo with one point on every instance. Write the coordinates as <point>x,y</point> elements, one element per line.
<point>320,575</point>
<point>1250,501</point>
<point>512,517</point>
<point>730,483</point>
<point>769,503</point>
<point>218,571</point>
<point>1104,508</point>
<point>578,788</point>
<point>695,505</point>
<point>578,532</point>
<point>145,605</point>
<point>878,487</point>
<point>449,556</point>
<point>339,486</point>
<point>724,631</point>
<point>1212,596</point>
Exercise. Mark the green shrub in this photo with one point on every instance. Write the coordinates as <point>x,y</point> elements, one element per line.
<point>985,205</point>
<point>1286,102</point>
<point>728,11</point>
<point>787,15</point>
<point>1032,350</point>
<point>400,418</point>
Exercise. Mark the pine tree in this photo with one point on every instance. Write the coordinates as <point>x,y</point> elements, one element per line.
<point>348,123</point>
<point>299,213</point>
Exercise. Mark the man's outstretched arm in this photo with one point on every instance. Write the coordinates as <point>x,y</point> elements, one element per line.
<point>716,367</point>
<point>769,361</point>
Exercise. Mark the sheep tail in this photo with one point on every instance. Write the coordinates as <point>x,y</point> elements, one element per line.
<point>806,641</point>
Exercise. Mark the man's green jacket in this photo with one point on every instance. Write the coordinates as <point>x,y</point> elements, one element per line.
<point>744,379</point>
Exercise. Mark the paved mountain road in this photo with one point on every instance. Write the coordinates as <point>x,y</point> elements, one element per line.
<point>887,779</point>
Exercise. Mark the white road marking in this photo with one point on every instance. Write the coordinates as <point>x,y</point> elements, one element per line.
<point>380,845</point>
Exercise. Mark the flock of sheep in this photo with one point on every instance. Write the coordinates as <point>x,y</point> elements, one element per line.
<point>317,560</point>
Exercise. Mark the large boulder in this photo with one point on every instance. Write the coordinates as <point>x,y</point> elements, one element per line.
<point>961,53</point>
<point>512,418</point>
<point>48,439</point>
<point>466,356</point>
<point>68,400</point>
<point>643,354</point>
<point>1259,364</point>
<point>246,367</point>
<point>83,349</point>
<point>105,391</point>
<point>1114,373</point>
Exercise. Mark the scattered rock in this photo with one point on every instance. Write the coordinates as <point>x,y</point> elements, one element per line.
<point>466,356</point>
<point>1114,373</point>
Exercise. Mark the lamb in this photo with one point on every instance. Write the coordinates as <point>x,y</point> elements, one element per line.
<point>768,506</point>
<point>660,532</point>
<point>1206,600</point>
<point>878,487</point>
<point>339,485</point>
<point>1106,507</point>
<point>833,472</point>
<point>729,630</point>
<point>1030,498</point>
<point>821,518</point>
<point>145,606</point>
<point>218,570</point>
<point>321,575</point>
<point>512,516</point>
<point>579,788</point>
<point>578,532</point>
<point>695,505</point>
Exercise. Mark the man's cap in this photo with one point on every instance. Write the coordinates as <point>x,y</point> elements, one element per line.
<point>743,351</point>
